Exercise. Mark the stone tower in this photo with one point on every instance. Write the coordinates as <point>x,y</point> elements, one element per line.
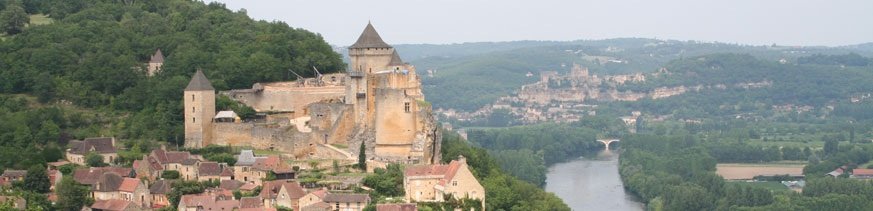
<point>199,101</point>
<point>155,63</point>
<point>368,55</point>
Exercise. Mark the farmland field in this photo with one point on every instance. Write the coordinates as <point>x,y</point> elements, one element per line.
<point>743,171</point>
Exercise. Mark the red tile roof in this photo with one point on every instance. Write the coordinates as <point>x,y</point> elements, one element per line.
<point>251,202</point>
<point>862,172</point>
<point>271,189</point>
<point>446,172</point>
<point>396,207</point>
<point>112,204</point>
<point>129,185</point>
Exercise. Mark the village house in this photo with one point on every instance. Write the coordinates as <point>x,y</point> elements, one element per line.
<point>309,201</point>
<point>251,169</point>
<point>252,204</point>
<point>9,176</point>
<point>113,205</point>
<point>111,186</point>
<point>104,146</point>
<point>179,161</point>
<point>148,168</point>
<point>865,174</point>
<point>347,201</point>
<point>209,200</point>
<point>280,193</point>
<point>397,207</point>
<point>159,191</point>
<point>212,171</point>
<point>17,203</point>
<point>90,176</point>
<point>431,183</point>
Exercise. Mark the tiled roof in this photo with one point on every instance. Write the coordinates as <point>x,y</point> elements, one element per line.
<point>108,182</point>
<point>447,172</point>
<point>251,202</point>
<point>190,161</point>
<point>91,175</point>
<point>99,145</point>
<point>14,173</point>
<point>177,157</point>
<point>346,197</point>
<point>209,169</point>
<point>199,83</point>
<point>248,187</point>
<point>112,204</point>
<point>230,184</point>
<point>370,39</point>
<point>245,158</point>
<point>226,172</point>
<point>395,59</point>
<point>129,185</point>
<point>865,172</point>
<point>161,187</point>
<point>266,163</point>
<point>396,207</point>
<point>271,189</point>
<point>320,206</point>
<point>158,57</point>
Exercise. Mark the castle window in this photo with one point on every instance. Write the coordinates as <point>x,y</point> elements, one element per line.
<point>193,109</point>
<point>455,183</point>
<point>192,98</point>
<point>406,107</point>
<point>193,119</point>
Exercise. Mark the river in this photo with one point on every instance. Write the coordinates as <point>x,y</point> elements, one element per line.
<point>591,183</point>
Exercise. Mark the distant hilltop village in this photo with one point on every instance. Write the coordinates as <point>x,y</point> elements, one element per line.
<point>377,104</point>
<point>568,97</point>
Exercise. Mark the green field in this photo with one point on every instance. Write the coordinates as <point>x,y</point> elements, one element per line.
<point>774,186</point>
<point>40,19</point>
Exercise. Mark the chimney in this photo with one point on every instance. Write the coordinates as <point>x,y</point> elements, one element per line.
<point>462,159</point>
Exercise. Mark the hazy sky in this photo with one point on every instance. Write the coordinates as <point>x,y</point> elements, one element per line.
<point>784,22</point>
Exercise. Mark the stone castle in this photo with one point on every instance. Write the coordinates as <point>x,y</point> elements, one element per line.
<point>377,102</point>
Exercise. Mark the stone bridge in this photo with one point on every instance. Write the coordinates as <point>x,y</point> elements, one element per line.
<point>607,142</point>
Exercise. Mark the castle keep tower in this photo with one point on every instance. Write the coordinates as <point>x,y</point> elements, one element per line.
<point>199,101</point>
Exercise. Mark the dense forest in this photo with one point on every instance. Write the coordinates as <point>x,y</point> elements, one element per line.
<point>91,59</point>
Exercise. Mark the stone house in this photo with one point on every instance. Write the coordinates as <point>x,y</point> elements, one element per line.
<point>251,169</point>
<point>431,183</point>
<point>10,176</point>
<point>113,205</point>
<point>112,186</point>
<point>313,197</point>
<point>212,171</point>
<point>281,193</point>
<point>90,176</point>
<point>159,191</point>
<point>207,201</point>
<point>136,191</point>
<point>180,161</point>
<point>148,168</point>
<point>397,207</point>
<point>104,146</point>
<point>347,201</point>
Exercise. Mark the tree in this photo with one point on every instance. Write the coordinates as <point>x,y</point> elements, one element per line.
<point>37,179</point>
<point>72,195</point>
<point>13,18</point>
<point>362,157</point>
<point>94,160</point>
<point>170,174</point>
<point>831,146</point>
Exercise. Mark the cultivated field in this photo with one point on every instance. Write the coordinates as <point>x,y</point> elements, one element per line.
<point>742,171</point>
